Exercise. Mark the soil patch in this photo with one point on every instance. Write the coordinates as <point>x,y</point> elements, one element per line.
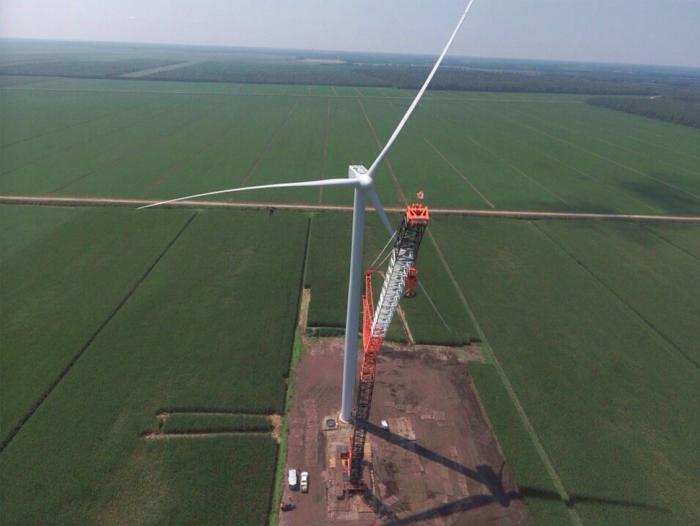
<point>437,463</point>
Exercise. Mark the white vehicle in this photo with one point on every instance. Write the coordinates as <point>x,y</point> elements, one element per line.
<point>304,482</point>
<point>385,425</point>
<point>292,479</point>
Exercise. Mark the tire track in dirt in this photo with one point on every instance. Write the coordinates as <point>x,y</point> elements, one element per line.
<point>459,172</point>
<point>617,296</point>
<point>18,427</point>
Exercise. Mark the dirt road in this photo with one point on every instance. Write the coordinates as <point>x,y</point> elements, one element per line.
<point>75,201</point>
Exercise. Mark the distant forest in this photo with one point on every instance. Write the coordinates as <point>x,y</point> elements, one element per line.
<point>241,65</point>
<point>682,109</point>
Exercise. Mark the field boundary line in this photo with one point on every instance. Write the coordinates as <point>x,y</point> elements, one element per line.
<point>202,434</point>
<point>151,142</point>
<point>62,129</point>
<point>671,243</point>
<point>543,152</point>
<point>511,165</point>
<point>604,141</point>
<point>179,165</point>
<point>55,150</point>
<point>617,296</point>
<point>18,427</point>
<point>97,202</point>
<point>294,356</point>
<point>607,159</point>
<point>269,141</point>
<point>459,172</point>
<point>404,98</point>
<point>486,348</point>
<point>490,355</point>
<point>145,73</point>
<point>324,150</point>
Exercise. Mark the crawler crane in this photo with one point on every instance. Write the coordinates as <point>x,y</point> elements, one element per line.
<point>400,280</point>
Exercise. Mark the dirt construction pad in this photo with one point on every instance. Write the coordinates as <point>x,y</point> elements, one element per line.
<point>438,463</point>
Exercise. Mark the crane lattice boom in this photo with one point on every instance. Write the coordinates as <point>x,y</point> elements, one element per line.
<point>376,321</point>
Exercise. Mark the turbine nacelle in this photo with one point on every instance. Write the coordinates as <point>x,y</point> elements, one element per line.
<point>361,175</point>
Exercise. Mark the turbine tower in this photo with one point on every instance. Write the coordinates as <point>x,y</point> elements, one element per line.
<point>361,179</point>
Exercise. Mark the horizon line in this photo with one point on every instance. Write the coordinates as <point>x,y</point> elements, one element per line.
<point>391,53</point>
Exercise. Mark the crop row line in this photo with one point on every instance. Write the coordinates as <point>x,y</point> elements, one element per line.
<point>510,390</point>
<point>558,483</point>
<point>302,95</point>
<point>25,418</point>
<point>619,298</point>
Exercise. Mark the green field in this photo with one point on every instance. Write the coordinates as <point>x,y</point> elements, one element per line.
<point>110,316</point>
<point>607,382</point>
<point>151,139</point>
<point>148,311</point>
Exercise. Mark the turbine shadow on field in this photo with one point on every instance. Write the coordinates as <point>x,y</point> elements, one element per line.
<point>530,492</point>
<point>457,506</point>
<point>487,476</point>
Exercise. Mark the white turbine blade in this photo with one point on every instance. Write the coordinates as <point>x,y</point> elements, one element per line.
<point>382,214</point>
<point>415,102</point>
<point>299,184</point>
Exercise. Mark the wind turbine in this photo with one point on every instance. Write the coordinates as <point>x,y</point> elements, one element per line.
<point>361,180</point>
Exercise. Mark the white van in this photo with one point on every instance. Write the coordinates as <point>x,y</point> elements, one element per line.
<point>304,482</point>
<point>292,479</point>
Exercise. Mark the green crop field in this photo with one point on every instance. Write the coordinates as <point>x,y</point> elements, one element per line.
<point>111,316</point>
<point>326,277</point>
<point>149,139</point>
<point>607,383</point>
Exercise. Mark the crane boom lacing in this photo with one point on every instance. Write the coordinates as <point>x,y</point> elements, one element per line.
<point>376,321</point>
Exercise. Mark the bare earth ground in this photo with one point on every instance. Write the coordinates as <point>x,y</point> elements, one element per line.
<point>438,464</point>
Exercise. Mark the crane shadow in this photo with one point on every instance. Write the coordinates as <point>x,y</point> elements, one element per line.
<point>483,474</point>
<point>493,481</point>
<point>457,506</point>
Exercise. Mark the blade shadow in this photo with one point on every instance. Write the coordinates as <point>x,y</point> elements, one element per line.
<point>530,492</point>
<point>482,474</point>
<point>493,480</point>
